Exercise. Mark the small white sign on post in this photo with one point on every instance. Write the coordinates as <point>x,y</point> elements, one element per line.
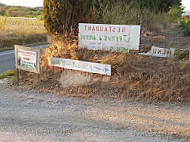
<point>80,65</point>
<point>121,38</point>
<point>27,58</point>
<point>160,52</point>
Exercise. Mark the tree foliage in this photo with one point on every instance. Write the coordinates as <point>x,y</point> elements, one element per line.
<point>166,4</point>
<point>61,15</point>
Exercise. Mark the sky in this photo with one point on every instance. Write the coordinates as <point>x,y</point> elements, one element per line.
<point>186,4</point>
<point>35,3</point>
<point>28,3</point>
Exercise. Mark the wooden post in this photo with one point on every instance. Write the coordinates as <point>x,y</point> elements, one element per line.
<point>38,75</point>
<point>18,75</point>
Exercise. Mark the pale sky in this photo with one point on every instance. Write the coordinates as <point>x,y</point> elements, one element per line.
<point>29,3</point>
<point>186,4</point>
<point>35,3</point>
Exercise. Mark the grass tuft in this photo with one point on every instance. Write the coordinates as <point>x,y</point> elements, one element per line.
<point>7,74</point>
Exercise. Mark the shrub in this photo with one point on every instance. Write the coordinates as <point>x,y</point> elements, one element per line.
<point>61,15</point>
<point>2,21</point>
<point>175,13</point>
<point>185,25</point>
<point>63,47</point>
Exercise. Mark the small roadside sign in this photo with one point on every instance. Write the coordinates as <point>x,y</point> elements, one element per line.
<point>160,52</point>
<point>27,58</point>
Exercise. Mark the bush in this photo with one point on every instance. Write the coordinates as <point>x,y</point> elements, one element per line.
<point>63,47</point>
<point>175,13</point>
<point>2,22</point>
<point>61,15</point>
<point>185,25</point>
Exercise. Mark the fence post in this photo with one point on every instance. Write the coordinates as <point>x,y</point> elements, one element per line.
<point>18,75</point>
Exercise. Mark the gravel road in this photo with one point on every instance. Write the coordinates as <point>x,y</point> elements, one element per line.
<point>25,116</point>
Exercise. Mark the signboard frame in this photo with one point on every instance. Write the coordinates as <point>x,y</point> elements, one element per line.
<point>28,49</point>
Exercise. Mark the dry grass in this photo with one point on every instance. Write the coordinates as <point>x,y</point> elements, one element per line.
<point>63,47</point>
<point>144,78</point>
<point>22,31</point>
<point>133,76</point>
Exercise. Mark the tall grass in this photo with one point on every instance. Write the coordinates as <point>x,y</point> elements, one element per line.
<point>120,13</point>
<point>22,31</point>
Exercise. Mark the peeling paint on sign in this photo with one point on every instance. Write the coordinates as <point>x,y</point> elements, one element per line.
<point>160,52</point>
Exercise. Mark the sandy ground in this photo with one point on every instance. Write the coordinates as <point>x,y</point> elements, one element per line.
<point>28,117</point>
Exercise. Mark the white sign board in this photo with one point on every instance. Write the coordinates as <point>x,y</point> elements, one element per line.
<point>121,38</point>
<point>160,52</point>
<point>27,58</point>
<point>81,65</point>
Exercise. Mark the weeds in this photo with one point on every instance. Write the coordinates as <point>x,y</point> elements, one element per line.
<point>7,74</point>
<point>152,79</point>
<point>185,25</point>
<point>181,54</point>
<point>133,76</point>
<point>63,47</point>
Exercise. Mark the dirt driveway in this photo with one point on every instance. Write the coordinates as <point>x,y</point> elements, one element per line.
<point>25,116</point>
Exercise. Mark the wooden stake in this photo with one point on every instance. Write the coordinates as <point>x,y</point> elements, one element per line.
<point>18,75</point>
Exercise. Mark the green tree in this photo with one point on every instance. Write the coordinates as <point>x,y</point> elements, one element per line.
<point>61,15</point>
<point>166,4</point>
